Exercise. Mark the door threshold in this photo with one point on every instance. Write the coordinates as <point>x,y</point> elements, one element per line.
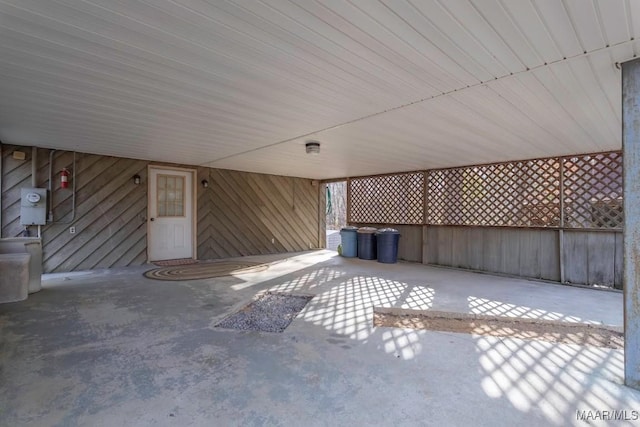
<point>172,262</point>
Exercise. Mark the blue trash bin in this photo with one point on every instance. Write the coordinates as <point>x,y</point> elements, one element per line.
<point>388,245</point>
<point>349,241</point>
<point>367,243</point>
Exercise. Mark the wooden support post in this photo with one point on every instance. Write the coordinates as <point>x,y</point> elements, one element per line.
<point>322,214</point>
<point>562,224</point>
<point>348,201</point>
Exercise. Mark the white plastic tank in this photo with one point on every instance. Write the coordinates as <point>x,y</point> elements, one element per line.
<point>32,246</point>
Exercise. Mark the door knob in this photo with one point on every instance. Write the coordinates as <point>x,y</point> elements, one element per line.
<point>151,219</point>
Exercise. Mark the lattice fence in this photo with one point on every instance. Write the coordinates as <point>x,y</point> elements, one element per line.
<point>505,194</point>
<point>513,194</point>
<point>389,199</point>
<point>593,191</point>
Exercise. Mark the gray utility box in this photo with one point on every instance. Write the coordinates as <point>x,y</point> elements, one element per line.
<point>33,206</point>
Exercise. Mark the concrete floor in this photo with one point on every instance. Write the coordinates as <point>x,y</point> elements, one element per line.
<point>114,348</point>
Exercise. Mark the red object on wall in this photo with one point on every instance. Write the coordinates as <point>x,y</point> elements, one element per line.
<point>64,178</point>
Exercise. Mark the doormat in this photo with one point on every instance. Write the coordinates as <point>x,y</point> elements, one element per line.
<point>172,262</point>
<point>205,270</point>
<point>531,329</point>
<point>272,312</point>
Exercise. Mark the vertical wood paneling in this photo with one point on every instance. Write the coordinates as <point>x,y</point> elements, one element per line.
<point>459,248</point>
<point>601,250</point>
<point>549,255</point>
<point>445,245</point>
<point>410,243</point>
<point>593,257</point>
<point>529,252</point>
<point>492,250</point>
<point>510,250</point>
<point>426,256</point>
<point>475,248</point>
<point>238,214</point>
<point>513,251</point>
<point>432,244</point>
<point>590,257</point>
<point>576,257</point>
<point>617,274</point>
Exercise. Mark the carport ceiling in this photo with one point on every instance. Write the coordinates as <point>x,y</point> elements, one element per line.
<point>385,86</point>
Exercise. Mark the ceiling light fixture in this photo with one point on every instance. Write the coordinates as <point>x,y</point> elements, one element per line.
<point>312,147</point>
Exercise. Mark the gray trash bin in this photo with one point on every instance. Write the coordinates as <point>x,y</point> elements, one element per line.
<point>349,241</point>
<point>367,243</point>
<point>388,245</point>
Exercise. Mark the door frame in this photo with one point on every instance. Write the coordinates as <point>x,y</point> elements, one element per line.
<point>194,207</point>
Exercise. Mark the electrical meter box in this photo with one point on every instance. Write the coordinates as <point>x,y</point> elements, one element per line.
<point>33,206</point>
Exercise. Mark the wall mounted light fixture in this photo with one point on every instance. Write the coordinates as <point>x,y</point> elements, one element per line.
<point>19,155</point>
<point>137,179</point>
<point>205,183</point>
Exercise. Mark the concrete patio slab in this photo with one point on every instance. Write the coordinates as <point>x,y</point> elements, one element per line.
<point>112,347</point>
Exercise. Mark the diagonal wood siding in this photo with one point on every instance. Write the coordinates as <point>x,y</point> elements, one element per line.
<point>239,213</point>
<point>243,213</point>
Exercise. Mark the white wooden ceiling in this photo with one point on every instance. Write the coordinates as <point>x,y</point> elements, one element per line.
<point>385,86</point>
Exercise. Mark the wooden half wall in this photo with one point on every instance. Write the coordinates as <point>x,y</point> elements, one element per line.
<point>532,253</point>
<point>583,257</point>
<point>586,257</point>
<point>239,213</point>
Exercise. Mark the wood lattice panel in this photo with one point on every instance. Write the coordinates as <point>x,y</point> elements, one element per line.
<point>523,194</point>
<point>514,194</point>
<point>593,191</point>
<point>389,199</point>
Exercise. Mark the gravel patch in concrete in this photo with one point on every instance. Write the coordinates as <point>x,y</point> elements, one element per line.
<point>270,313</point>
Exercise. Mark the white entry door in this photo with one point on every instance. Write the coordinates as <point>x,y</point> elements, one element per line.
<point>171,221</point>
